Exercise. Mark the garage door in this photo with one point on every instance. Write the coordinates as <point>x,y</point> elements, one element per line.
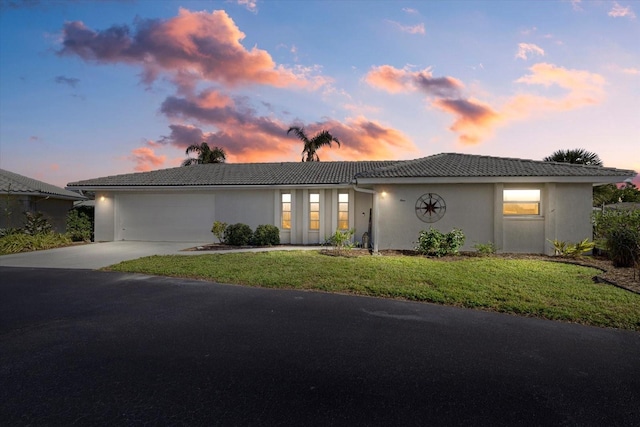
<point>166,217</point>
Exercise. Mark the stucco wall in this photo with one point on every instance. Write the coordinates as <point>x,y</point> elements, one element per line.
<point>469,207</point>
<point>54,210</point>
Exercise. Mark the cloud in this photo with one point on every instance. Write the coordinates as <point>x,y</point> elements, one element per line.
<point>247,136</point>
<point>474,121</point>
<point>71,81</point>
<point>526,49</point>
<point>146,159</point>
<point>394,80</point>
<point>190,47</point>
<point>411,29</point>
<point>618,11</point>
<point>251,5</point>
<point>632,71</point>
<point>410,10</point>
<point>576,4</point>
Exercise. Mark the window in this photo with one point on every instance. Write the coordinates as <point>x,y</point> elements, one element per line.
<point>521,202</point>
<point>343,211</point>
<point>314,211</point>
<point>286,211</point>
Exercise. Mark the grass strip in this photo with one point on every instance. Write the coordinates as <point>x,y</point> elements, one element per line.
<point>524,287</point>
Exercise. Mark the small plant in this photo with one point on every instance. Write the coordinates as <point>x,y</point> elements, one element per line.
<point>619,230</point>
<point>238,234</point>
<point>218,230</point>
<point>78,226</point>
<point>16,243</point>
<point>434,243</point>
<point>35,223</point>
<point>573,250</point>
<point>341,240</point>
<point>10,231</point>
<point>266,235</point>
<point>485,248</point>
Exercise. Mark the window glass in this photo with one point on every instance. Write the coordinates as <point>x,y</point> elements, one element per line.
<point>521,202</point>
<point>286,211</point>
<point>314,211</point>
<point>343,211</point>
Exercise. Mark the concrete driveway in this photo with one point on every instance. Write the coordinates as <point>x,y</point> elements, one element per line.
<point>98,255</point>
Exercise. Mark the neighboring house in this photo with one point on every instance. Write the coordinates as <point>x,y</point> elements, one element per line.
<point>516,204</point>
<point>19,194</point>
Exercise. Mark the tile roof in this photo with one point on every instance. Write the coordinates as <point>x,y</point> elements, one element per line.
<point>466,165</point>
<point>288,173</point>
<point>451,165</point>
<point>11,182</point>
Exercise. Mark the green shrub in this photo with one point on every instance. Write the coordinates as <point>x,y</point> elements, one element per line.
<point>573,250</point>
<point>341,240</point>
<point>485,248</point>
<point>434,243</point>
<point>238,234</point>
<point>15,243</point>
<point>218,230</point>
<point>9,231</point>
<point>35,223</point>
<point>79,226</point>
<point>619,232</point>
<point>266,235</point>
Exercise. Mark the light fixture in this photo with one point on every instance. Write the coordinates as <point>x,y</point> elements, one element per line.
<point>102,198</point>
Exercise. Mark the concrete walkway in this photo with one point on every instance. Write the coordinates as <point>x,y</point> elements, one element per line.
<point>98,255</point>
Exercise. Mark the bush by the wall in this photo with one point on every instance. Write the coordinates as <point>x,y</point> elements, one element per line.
<point>218,230</point>
<point>434,243</point>
<point>15,243</point>
<point>238,234</point>
<point>619,232</point>
<point>266,235</point>
<point>78,226</point>
<point>35,223</point>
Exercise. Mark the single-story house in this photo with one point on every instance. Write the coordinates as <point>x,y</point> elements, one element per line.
<point>19,194</point>
<point>516,204</point>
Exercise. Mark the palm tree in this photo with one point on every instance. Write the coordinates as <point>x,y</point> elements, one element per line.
<point>578,156</point>
<point>311,146</point>
<point>205,154</point>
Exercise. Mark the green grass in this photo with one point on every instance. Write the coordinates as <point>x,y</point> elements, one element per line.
<point>525,287</point>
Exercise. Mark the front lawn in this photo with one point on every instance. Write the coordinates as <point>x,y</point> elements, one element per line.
<point>525,287</point>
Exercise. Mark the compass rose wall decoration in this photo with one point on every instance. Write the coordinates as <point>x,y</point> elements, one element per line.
<point>430,207</point>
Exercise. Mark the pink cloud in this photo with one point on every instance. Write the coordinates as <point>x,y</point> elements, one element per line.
<point>146,159</point>
<point>474,121</point>
<point>206,44</point>
<point>527,49</point>
<point>411,29</point>
<point>618,11</point>
<point>394,80</point>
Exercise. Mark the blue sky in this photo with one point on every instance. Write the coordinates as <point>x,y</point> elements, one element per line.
<point>96,88</point>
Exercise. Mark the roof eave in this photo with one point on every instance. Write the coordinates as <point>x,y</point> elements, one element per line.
<point>494,180</point>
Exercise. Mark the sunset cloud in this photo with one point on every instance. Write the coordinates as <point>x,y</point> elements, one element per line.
<point>208,45</point>
<point>618,11</point>
<point>525,50</point>
<point>411,29</point>
<point>251,5</point>
<point>474,121</point>
<point>394,80</point>
<point>146,159</point>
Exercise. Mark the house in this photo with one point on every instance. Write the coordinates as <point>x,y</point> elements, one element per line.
<point>19,194</point>
<point>517,204</point>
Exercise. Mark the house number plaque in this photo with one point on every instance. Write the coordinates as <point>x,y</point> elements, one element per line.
<point>430,207</point>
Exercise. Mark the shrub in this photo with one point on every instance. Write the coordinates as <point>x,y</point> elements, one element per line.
<point>266,235</point>
<point>238,234</point>
<point>485,248</point>
<point>573,250</point>
<point>26,242</point>
<point>9,231</point>
<point>35,223</point>
<point>619,232</point>
<point>78,226</point>
<point>341,240</point>
<point>218,230</point>
<point>434,243</point>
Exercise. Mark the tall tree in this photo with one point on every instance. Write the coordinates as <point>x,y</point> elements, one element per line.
<point>311,146</point>
<point>205,154</point>
<point>578,156</point>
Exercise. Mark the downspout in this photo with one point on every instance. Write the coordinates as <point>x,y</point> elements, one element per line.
<point>374,233</point>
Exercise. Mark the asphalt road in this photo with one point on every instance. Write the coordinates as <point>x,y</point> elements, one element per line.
<point>80,347</point>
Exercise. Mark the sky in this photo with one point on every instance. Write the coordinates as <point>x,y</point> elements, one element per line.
<point>98,88</point>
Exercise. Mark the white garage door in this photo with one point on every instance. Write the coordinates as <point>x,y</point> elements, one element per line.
<point>170,217</point>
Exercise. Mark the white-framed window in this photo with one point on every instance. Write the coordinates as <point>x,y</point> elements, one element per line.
<point>314,211</point>
<point>343,211</point>
<point>517,202</point>
<point>286,211</point>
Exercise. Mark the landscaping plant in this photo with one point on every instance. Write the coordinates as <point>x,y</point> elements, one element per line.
<point>485,248</point>
<point>78,226</point>
<point>434,243</point>
<point>218,230</point>
<point>266,235</point>
<point>35,223</point>
<point>238,234</point>
<point>618,231</point>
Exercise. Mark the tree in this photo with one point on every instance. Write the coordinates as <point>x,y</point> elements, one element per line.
<point>578,156</point>
<point>311,146</point>
<point>205,154</point>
